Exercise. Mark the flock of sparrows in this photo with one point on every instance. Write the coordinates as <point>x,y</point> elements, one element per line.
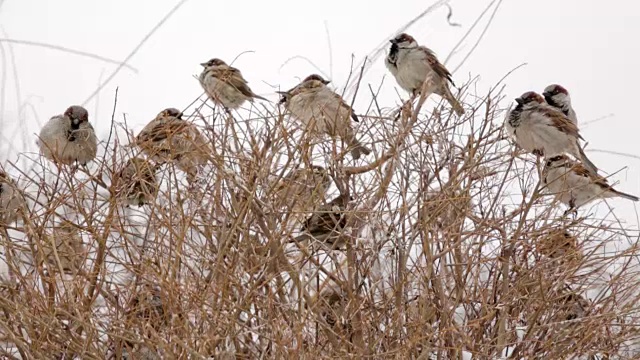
<point>545,126</point>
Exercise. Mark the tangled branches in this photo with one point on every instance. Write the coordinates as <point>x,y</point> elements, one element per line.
<point>442,244</point>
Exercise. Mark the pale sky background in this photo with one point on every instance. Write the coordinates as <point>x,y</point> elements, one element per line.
<point>587,46</point>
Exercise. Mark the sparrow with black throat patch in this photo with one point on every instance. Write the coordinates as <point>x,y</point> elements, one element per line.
<point>558,97</point>
<point>411,64</point>
<point>69,138</point>
<point>544,130</point>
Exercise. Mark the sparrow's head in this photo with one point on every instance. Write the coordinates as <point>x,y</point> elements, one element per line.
<point>404,40</point>
<point>316,77</point>
<point>213,62</point>
<point>170,112</point>
<point>341,200</point>
<point>77,114</point>
<point>558,161</point>
<point>320,173</point>
<point>317,169</point>
<point>530,98</point>
<point>556,94</point>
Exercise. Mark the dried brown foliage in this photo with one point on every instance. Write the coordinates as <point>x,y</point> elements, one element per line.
<point>450,250</point>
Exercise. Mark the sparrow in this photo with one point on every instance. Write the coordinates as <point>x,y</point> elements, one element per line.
<point>558,97</point>
<point>225,85</point>
<point>544,130</point>
<point>69,137</point>
<point>137,182</point>
<point>327,222</point>
<point>148,304</point>
<point>170,138</point>
<point>411,63</point>
<point>323,111</point>
<point>64,248</point>
<point>574,185</point>
<point>302,187</point>
<point>11,200</point>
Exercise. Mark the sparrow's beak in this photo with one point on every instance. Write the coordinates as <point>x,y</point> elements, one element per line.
<point>284,95</point>
<point>203,64</point>
<point>519,101</point>
<point>75,121</point>
<point>326,82</point>
<point>546,94</point>
<point>393,41</point>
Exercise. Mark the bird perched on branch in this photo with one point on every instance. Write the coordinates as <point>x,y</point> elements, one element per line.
<point>170,138</point>
<point>327,222</point>
<point>137,182</point>
<point>574,185</point>
<point>302,188</point>
<point>411,63</point>
<point>544,130</point>
<point>11,200</point>
<point>322,111</point>
<point>69,137</point>
<point>225,85</point>
<point>558,97</point>
<point>64,248</point>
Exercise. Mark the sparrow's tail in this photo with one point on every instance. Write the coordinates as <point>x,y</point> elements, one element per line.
<point>359,149</point>
<point>625,195</point>
<point>455,104</point>
<point>255,96</point>
<point>585,160</point>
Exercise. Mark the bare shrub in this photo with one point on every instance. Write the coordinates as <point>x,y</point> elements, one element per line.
<point>449,248</point>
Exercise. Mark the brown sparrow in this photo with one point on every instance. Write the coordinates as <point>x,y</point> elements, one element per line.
<point>170,138</point>
<point>323,111</point>
<point>558,97</point>
<point>69,137</point>
<point>137,182</point>
<point>327,222</point>
<point>225,85</point>
<point>11,200</point>
<point>544,130</point>
<point>64,248</point>
<point>411,63</point>
<point>574,185</point>
<point>302,188</point>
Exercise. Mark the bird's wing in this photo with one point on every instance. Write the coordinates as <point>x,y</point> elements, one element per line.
<point>436,65</point>
<point>160,129</point>
<point>325,220</point>
<point>346,106</point>
<point>560,121</point>
<point>234,78</point>
<point>342,105</point>
<point>581,170</point>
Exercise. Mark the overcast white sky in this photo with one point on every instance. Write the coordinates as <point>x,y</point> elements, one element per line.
<point>590,48</point>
